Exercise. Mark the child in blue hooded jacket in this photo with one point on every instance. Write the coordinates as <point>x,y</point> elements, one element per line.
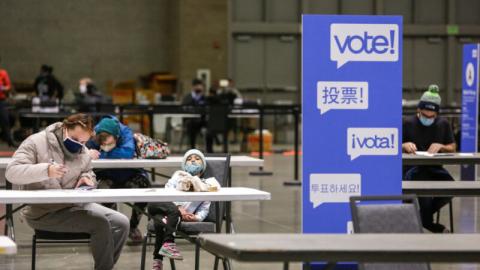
<point>115,140</point>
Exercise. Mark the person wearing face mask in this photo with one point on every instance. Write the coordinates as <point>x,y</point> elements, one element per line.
<point>57,158</point>
<point>47,85</point>
<point>427,131</point>
<point>114,140</point>
<point>195,98</point>
<point>88,96</point>
<point>194,164</point>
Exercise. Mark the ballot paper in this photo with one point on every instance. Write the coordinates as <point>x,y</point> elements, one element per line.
<point>427,154</point>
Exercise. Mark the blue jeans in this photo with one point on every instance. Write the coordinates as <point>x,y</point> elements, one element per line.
<point>429,205</point>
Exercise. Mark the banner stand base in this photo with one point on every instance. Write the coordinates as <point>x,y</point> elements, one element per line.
<point>261,172</point>
<point>292,183</point>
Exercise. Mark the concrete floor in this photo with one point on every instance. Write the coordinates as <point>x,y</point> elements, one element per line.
<point>280,215</point>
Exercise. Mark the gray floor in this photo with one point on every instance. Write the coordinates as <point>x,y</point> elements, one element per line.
<point>280,215</point>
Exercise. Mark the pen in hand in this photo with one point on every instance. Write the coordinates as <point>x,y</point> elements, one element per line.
<point>56,170</point>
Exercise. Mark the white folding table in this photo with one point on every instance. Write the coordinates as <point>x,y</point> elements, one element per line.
<point>450,159</point>
<point>442,188</point>
<point>169,162</point>
<point>333,248</point>
<point>126,196</point>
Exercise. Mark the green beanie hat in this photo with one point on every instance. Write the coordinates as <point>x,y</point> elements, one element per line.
<point>430,100</point>
<point>109,126</point>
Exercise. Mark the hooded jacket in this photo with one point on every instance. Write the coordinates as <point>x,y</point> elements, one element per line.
<point>125,147</point>
<point>29,167</point>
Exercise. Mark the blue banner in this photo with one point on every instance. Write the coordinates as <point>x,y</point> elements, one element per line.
<point>352,115</point>
<point>469,127</point>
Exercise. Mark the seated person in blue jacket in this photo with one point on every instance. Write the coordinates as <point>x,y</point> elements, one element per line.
<point>172,213</point>
<point>426,131</point>
<point>114,140</point>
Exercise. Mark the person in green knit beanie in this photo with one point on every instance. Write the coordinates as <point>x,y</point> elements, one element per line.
<point>426,131</point>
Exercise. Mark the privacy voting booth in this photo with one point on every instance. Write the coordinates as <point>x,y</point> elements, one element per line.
<point>352,115</point>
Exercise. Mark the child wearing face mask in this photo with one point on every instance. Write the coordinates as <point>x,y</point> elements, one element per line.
<point>115,140</point>
<point>194,164</point>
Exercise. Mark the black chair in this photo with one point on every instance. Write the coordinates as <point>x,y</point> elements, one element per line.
<point>217,123</point>
<point>47,237</point>
<point>220,169</point>
<point>387,215</point>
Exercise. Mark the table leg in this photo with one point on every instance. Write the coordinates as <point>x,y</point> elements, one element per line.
<point>226,264</point>
<point>295,181</point>
<point>450,207</point>
<point>9,229</point>
<point>151,132</point>
<point>228,217</point>
<point>260,171</point>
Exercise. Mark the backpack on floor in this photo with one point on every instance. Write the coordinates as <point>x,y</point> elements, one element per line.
<point>150,148</point>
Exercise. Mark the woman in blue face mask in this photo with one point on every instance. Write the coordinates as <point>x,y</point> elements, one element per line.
<point>56,158</point>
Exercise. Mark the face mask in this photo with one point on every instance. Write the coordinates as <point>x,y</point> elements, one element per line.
<point>83,88</point>
<point>72,146</point>
<point>426,121</point>
<point>107,147</point>
<point>193,168</point>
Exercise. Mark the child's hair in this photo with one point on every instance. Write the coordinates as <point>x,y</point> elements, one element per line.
<point>80,119</point>
<point>102,137</point>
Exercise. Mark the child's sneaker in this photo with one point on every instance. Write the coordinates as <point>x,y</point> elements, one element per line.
<point>171,251</point>
<point>157,265</point>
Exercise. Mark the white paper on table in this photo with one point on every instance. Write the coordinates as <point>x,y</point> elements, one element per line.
<point>427,154</point>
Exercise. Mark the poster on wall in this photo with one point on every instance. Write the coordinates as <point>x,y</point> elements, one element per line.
<point>352,115</point>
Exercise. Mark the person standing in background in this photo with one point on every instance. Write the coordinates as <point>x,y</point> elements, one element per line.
<point>47,86</point>
<point>5,87</point>
<point>195,98</point>
<point>88,97</point>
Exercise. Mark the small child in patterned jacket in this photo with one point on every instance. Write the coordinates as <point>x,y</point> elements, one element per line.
<point>172,213</point>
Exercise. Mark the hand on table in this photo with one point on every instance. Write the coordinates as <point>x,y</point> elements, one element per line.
<point>409,147</point>
<point>85,181</point>
<point>94,154</point>
<point>435,148</point>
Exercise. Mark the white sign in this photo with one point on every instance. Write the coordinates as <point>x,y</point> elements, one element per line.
<point>372,142</point>
<point>334,188</point>
<point>363,42</point>
<point>342,96</point>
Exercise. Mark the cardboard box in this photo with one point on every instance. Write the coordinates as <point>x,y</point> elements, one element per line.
<point>123,96</point>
